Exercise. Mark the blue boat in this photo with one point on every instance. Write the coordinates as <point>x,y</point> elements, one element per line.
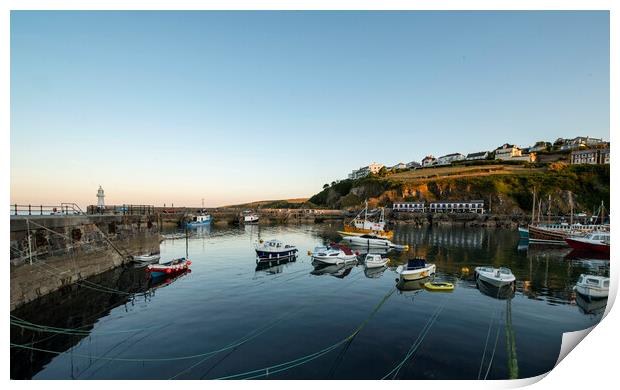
<point>524,233</point>
<point>200,220</point>
<point>274,249</point>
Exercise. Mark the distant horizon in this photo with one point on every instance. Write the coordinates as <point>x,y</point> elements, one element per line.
<point>243,106</point>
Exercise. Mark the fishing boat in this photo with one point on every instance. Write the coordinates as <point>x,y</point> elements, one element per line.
<point>597,241</point>
<point>333,254</point>
<point>439,286</point>
<point>169,268</point>
<point>375,261</point>
<point>592,286</point>
<point>359,226</point>
<point>416,269</point>
<point>524,233</point>
<point>274,249</point>
<point>495,276</point>
<point>373,241</point>
<point>250,217</point>
<point>199,220</point>
<point>147,258</point>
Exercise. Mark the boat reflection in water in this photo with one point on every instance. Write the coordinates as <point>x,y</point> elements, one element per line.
<point>590,306</point>
<point>577,254</point>
<point>337,270</point>
<point>274,266</point>
<point>504,292</point>
<point>411,285</point>
<point>364,250</point>
<point>374,273</point>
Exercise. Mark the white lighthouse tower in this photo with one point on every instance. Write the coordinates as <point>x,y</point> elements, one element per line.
<point>100,196</point>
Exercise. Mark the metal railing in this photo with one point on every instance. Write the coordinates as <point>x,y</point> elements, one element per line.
<point>125,209</point>
<point>61,209</point>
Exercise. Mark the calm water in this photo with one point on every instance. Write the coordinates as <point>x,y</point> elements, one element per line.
<point>229,318</point>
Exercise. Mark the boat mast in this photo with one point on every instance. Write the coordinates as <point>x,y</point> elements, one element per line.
<point>539,209</point>
<point>570,201</point>
<point>549,211</point>
<point>366,211</point>
<point>533,205</point>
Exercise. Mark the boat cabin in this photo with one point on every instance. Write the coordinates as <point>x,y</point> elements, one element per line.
<point>416,263</point>
<point>593,281</point>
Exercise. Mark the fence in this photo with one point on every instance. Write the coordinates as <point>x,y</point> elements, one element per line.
<point>62,209</point>
<point>125,209</point>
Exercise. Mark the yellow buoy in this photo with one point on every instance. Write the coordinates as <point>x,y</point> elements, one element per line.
<point>465,270</point>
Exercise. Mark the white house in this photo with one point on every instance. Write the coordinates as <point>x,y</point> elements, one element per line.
<point>449,158</point>
<point>506,152</point>
<point>400,165</point>
<point>428,161</point>
<point>365,171</point>
<point>413,165</point>
<point>478,156</point>
<point>472,206</point>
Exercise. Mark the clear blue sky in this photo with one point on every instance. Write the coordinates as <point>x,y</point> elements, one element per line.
<point>162,107</point>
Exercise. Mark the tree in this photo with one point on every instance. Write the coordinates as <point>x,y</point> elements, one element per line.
<point>325,186</point>
<point>382,172</point>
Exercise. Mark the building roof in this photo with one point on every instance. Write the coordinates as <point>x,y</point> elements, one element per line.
<point>457,201</point>
<point>451,154</point>
<point>477,154</point>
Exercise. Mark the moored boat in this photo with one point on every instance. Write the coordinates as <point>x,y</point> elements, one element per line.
<point>592,286</point>
<point>439,286</point>
<point>147,258</point>
<point>199,220</point>
<point>364,226</point>
<point>373,241</point>
<point>333,254</point>
<point>523,232</point>
<point>375,261</point>
<point>416,269</point>
<point>250,217</point>
<point>171,267</point>
<point>274,249</point>
<point>495,276</point>
<point>596,241</point>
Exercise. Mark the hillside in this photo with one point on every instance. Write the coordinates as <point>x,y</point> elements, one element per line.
<point>507,188</point>
<point>273,204</point>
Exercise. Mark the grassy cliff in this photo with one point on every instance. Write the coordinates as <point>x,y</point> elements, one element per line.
<point>506,188</point>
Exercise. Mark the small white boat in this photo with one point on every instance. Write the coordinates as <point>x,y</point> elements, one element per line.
<point>592,286</point>
<point>416,269</point>
<point>333,254</point>
<point>495,276</point>
<point>147,258</point>
<point>250,217</point>
<point>375,261</point>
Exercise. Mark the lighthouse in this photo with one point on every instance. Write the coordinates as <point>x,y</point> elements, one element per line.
<point>100,196</point>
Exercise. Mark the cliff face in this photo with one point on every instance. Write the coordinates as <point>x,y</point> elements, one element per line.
<point>507,194</point>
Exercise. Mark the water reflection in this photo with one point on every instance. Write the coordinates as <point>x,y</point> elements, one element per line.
<point>593,307</point>
<point>274,266</point>
<point>337,270</point>
<point>502,293</point>
<point>374,273</point>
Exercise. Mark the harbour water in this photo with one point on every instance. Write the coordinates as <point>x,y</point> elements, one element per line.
<point>230,318</point>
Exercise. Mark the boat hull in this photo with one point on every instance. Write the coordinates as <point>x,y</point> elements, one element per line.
<point>524,233</point>
<point>352,230</point>
<point>268,255</point>
<point>548,236</point>
<point>592,292</point>
<point>335,259</point>
<point>416,274</point>
<point>582,245</point>
<point>367,242</point>
<point>495,281</point>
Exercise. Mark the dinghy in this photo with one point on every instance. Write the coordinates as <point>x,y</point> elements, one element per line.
<point>495,276</point>
<point>416,269</point>
<point>439,286</point>
<point>375,261</point>
<point>169,268</point>
<point>592,286</point>
<point>147,258</point>
<point>333,254</point>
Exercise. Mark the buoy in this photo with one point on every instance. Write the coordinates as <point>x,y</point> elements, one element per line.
<point>465,270</point>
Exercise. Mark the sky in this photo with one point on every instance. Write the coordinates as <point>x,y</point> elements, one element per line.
<point>230,107</point>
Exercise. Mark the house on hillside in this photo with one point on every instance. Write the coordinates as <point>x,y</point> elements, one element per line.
<point>365,171</point>
<point>577,142</point>
<point>590,156</point>
<point>400,165</point>
<point>428,161</point>
<point>413,165</point>
<point>478,156</point>
<point>540,146</point>
<point>449,158</point>
<point>507,151</point>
